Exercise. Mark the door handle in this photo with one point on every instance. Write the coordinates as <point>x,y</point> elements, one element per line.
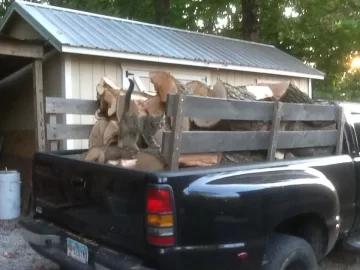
<point>78,182</point>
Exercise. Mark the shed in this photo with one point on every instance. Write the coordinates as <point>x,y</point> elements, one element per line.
<point>79,48</point>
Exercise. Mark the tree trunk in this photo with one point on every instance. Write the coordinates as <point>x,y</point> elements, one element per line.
<point>162,12</point>
<point>250,20</point>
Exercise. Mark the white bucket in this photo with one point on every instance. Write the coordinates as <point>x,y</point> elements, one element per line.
<point>10,199</point>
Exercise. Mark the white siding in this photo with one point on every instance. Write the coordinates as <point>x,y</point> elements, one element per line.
<point>245,78</point>
<point>184,74</point>
<point>82,74</point>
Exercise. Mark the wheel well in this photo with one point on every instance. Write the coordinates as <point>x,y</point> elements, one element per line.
<point>311,227</point>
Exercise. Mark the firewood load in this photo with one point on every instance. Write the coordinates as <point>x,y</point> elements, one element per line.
<point>110,96</point>
<point>285,92</point>
<point>105,131</point>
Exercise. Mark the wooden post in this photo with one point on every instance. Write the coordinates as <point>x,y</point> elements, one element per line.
<point>176,133</point>
<point>274,132</point>
<point>39,105</point>
<point>340,127</point>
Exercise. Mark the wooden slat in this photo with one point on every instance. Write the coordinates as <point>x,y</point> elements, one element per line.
<point>274,132</point>
<point>216,108</point>
<point>67,132</point>
<point>17,48</point>
<point>53,144</point>
<point>222,141</point>
<point>70,106</point>
<point>173,146</point>
<point>38,91</point>
<point>340,127</point>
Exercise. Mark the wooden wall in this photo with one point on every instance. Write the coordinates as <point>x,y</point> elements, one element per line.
<point>17,121</point>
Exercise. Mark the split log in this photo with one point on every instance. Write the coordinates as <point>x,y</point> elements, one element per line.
<point>231,158</point>
<point>278,89</point>
<point>125,163</point>
<point>136,106</point>
<point>225,91</point>
<point>199,88</point>
<point>295,95</point>
<point>260,92</point>
<point>154,105</point>
<point>164,84</point>
<point>200,160</point>
<point>97,133</point>
<point>219,90</point>
<point>150,161</point>
<point>106,93</point>
<point>106,83</point>
<point>105,153</point>
<point>311,151</point>
<point>111,133</point>
<point>99,115</point>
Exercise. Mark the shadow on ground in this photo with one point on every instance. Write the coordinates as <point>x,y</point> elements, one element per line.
<point>341,260</point>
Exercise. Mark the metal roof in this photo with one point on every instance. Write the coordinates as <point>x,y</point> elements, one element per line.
<point>68,30</point>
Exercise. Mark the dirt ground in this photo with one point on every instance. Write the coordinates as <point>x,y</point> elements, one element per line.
<point>15,254</point>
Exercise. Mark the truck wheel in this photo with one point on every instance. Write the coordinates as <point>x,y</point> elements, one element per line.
<point>286,252</point>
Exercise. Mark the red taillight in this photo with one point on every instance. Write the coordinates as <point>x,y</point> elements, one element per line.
<point>161,241</point>
<point>159,201</point>
<point>160,220</point>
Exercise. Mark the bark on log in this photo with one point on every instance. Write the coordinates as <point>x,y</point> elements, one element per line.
<point>311,151</point>
<point>230,158</point>
<point>295,95</point>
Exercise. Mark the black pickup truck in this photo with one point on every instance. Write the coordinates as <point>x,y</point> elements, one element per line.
<point>283,215</point>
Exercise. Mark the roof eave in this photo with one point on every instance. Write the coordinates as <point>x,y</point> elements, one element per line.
<point>168,60</point>
<point>17,8</point>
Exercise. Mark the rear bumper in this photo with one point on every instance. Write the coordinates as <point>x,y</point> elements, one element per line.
<point>50,242</point>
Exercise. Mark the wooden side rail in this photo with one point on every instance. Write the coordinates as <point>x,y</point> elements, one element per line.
<point>56,132</point>
<point>177,141</point>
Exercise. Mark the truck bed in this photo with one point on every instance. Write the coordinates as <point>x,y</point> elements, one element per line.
<point>107,203</point>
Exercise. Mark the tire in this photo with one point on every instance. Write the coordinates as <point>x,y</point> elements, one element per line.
<point>286,252</point>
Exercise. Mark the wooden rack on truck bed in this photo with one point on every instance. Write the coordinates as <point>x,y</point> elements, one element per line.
<point>177,141</point>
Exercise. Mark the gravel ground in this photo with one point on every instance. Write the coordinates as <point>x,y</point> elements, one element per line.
<point>15,254</point>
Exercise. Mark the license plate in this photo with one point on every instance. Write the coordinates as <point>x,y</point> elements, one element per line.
<point>77,251</point>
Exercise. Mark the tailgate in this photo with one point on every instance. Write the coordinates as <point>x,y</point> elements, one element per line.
<point>103,202</point>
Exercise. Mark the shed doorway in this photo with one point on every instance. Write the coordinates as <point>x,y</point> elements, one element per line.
<point>22,129</point>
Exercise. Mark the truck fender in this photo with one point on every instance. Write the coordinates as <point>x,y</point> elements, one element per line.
<point>263,198</point>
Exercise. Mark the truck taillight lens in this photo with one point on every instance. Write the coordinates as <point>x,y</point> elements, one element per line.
<point>160,217</point>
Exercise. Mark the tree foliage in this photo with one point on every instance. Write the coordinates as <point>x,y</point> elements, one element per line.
<point>321,32</point>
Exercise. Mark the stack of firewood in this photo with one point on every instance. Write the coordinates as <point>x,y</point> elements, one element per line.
<point>111,100</point>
